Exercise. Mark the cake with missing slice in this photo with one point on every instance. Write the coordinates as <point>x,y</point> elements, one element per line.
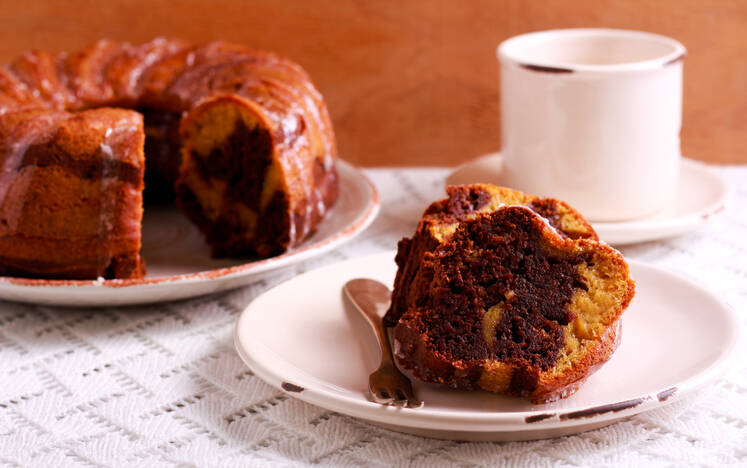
<point>240,138</point>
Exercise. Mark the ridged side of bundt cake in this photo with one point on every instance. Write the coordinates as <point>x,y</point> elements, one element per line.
<point>265,99</point>
<point>15,94</point>
<point>40,71</point>
<point>464,202</point>
<point>71,193</point>
<point>84,73</point>
<point>508,303</point>
<point>124,73</point>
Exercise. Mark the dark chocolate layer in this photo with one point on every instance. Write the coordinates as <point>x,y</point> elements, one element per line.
<point>242,161</point>
<point>274,233</point>
<point>460,203</point>
<point>46,155</point>
<point>163,151</point>
<point>492,259</point>
<point>221,233</point>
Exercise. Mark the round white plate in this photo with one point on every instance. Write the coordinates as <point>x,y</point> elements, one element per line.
<point>300,337</point>
<point>179,262</point>
<point>700,194</point>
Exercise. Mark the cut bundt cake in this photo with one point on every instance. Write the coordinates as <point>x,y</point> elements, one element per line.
<point>494,294</point>
<point>71,193</point>
<point>241,138</point>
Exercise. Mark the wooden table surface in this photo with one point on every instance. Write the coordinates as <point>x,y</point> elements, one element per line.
<point>416,82</point>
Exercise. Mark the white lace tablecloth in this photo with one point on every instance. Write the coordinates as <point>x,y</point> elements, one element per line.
<point>161,385</point>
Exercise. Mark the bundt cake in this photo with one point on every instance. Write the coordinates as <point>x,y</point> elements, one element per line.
<point>506,292</point>
<point>240,137</point>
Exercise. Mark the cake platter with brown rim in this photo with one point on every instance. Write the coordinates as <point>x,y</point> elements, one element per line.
<point>179,261</point>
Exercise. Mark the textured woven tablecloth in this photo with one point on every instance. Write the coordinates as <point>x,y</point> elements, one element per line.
<point>161,385</point>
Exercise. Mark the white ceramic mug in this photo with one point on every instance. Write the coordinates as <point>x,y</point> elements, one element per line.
<point>593,117</point>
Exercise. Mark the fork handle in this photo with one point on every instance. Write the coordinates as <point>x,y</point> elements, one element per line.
<point>371,298</point>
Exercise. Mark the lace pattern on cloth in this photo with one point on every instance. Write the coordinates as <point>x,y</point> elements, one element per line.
<point>161,385</point>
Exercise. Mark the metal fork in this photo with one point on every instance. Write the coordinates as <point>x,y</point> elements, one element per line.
<point>387,384</point>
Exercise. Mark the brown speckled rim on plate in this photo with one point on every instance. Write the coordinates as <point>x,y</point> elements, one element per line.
<point>305,251</point>
<point>599,410</point>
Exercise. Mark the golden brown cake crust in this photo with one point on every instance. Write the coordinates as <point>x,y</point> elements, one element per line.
<point>71,193</point>
<point>168,79</point>
<point>491,295</point>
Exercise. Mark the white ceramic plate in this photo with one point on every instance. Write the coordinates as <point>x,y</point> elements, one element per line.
<point>179,262</point>
<point>299,337</point>
<point>700,194</point>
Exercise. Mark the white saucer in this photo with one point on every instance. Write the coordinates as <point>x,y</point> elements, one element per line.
<point>179,262</point>
<point>700,195</point>
<point>300,338</point>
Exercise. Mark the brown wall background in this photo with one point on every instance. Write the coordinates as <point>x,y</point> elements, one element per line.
<point>416,82</point>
